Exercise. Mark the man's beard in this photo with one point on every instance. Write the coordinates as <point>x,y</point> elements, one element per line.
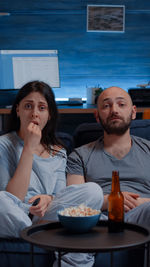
<point>116,128</point>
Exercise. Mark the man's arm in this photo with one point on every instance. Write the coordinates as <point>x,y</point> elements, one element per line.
<point>75,179</point>
<point>141,200</point>
<point>131,201</point>
<point>105,203</point>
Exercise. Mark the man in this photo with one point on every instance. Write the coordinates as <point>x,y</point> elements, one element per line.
<point>117,150</point>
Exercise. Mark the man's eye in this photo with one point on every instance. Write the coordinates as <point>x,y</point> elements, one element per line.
<point>106,106</point>
<point>28,106</point>
<point>121,104</point>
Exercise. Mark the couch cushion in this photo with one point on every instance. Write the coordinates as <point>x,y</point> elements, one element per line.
<point>67,140</point>
<point>88,132</point>
<point>17,252</point>
<point>17,245</point>
<point>141,128</point>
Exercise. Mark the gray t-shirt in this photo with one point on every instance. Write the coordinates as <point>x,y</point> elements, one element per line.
<point>47,176</point>
<point>134,168</point>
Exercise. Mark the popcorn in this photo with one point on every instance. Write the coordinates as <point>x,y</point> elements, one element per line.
<point>79,211</point>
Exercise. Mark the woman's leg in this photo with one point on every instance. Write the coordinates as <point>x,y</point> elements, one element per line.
<point>89,194</point>
<point>13,215</point>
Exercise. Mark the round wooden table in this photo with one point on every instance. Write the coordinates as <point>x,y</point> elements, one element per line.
<point>52,236</point>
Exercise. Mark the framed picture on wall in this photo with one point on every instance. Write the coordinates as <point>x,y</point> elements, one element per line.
<point>105,18</point>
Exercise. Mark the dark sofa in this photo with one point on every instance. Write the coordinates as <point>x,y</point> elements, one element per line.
<point>16,252</point>
<point>88,132</point>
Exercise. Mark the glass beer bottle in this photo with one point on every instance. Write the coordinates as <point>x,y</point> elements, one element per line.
<point>115,205</point>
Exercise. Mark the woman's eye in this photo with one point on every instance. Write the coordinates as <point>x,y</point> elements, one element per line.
<point>43,107</point>
<point>28,106</point>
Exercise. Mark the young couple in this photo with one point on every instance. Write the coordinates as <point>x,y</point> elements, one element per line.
<point>33,164</point>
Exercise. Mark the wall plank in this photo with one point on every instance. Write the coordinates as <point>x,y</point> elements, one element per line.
<point>85,58</point>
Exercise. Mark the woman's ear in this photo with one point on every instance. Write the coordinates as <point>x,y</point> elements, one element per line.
<point>17,110</point>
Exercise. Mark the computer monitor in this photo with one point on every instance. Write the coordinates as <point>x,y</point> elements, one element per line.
<point>18,67</point>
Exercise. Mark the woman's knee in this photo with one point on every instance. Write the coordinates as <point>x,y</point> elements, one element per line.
<point>89,193</point>
<point>94,194</point>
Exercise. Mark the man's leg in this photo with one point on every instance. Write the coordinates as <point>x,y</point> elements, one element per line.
<point>139,215</point>
<point>135,257</point>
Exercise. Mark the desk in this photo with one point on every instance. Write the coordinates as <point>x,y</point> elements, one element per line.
<point>70,116</point>
<point>85,108</point>
<point>64,109</point>
<point>52,236</point>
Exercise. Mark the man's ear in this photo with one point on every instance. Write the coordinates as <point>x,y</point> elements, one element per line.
<point>96,115</point>
<point>133,112</point>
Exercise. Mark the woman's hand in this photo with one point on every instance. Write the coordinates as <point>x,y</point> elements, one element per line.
<point>40,209</point>
<point>33,137</point>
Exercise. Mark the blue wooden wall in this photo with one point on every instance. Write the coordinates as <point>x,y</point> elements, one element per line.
<point>85,58</point>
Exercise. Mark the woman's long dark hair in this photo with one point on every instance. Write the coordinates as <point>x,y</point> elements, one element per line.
<point>49,131</point>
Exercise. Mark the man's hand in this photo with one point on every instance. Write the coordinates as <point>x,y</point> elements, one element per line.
<point>130,200</point>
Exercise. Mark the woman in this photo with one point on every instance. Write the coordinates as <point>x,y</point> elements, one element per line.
<point>32,165</point>
<point>31,150</point>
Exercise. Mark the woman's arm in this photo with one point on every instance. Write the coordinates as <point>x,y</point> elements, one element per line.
<point>19,183</point>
